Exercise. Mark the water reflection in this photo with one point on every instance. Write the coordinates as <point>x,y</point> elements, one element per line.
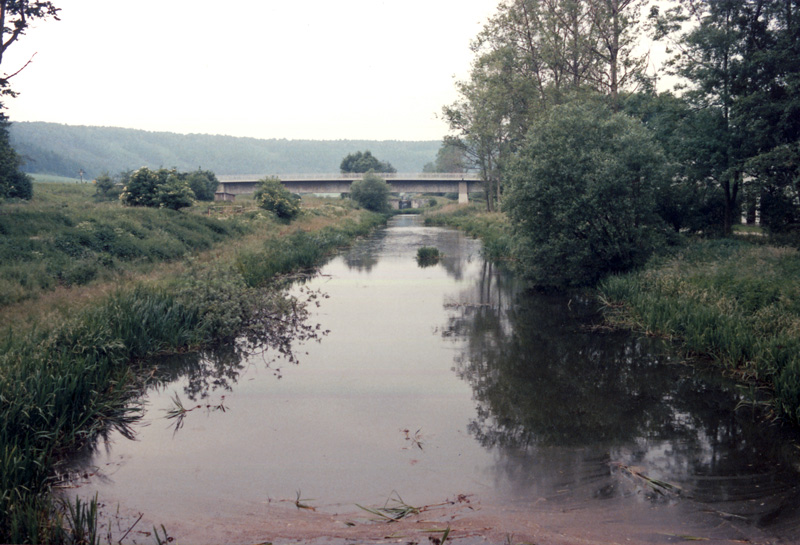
<point>579,412</point>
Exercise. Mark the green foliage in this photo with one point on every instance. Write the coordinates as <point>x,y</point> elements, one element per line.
<point>271,195</point>
<point>371,192</point>
<point>689,201</point>
<point>63,387</point>
<point>14,184</point>
<point>104,186</point>
<point>450,158</point>
<point>364,162</point>
<point>300,251</point>
<point>581,196</point>
<point>63,237</point>
<point>175,193</point>
<point>160,188</point>
<point>778,177</point>
<point>734,303</point>
<point>203,184</point>
<point>491,227</point>
<point>427,256</point>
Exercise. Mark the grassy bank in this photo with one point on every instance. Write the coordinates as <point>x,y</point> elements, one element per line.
<point>491,227</point>
<point>734,303</point>
<point>73,374</point>
<point>64,238</point>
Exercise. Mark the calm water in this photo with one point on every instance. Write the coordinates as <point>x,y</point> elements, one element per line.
<point>450,380</point>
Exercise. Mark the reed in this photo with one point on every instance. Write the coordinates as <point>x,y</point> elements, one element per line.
<point>734,303</point>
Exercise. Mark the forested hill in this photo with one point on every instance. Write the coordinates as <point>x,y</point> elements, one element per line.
<point>51,148</point>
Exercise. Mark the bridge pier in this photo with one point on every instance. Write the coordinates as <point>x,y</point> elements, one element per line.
<point>463,192</point>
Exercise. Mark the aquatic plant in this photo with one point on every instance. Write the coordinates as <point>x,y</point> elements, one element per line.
<point>427,256</point>
<point>393,510</point>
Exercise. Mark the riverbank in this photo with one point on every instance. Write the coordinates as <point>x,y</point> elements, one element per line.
<point>732,302</point>
<point>71,354</point>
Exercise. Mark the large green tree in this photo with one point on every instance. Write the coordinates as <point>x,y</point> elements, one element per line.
<point>531,55</point>
<point>581,196</point>
<point>371,192</point>
<point>364,162</point>
<point>741,62</point>
<point>204,184</point>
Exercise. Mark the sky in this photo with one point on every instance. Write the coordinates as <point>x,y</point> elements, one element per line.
<point>316,69</point>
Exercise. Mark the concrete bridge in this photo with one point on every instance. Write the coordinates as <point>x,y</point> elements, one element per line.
<point>462,183</point>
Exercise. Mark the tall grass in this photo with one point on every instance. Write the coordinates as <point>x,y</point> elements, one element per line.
<point>735,303</point>
<point>64,238</point>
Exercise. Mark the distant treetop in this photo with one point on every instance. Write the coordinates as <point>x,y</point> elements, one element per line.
<point>364,162</point>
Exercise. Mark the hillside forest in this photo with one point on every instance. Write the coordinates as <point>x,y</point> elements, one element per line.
<point>68,150</point>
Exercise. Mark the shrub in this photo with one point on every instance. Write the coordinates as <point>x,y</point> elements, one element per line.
<point>203,183</point>
<point>174,194</point>
<point>371,192</point>
<point>161,188</point>
<point>272,196</point>
<point>581,196</point>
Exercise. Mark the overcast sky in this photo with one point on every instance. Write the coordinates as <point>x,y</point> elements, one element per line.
<point>316,69</point>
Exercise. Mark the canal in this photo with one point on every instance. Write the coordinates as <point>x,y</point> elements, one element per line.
<point>511,415</point>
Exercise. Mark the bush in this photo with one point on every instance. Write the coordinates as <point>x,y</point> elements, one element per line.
<point>272,196</point>
<point>104,186</point>
<point>581,196</point>
<point>161,188</point>
<point>371,192</point>
<point>203,183</point>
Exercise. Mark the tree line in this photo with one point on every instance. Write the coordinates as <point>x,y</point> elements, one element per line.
<point>566,125</point>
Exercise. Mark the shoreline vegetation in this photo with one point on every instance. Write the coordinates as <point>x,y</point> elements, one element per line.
<point>733,302</point>
<point>112,286</point>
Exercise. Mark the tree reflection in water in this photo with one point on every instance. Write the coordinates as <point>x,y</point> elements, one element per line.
<point>578,411</point>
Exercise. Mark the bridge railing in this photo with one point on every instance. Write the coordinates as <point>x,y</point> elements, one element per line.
<point>468,176</point>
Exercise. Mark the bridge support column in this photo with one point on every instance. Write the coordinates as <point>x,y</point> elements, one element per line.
<point>463,192</point>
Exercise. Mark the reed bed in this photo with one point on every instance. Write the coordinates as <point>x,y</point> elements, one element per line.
<point>734,303</point>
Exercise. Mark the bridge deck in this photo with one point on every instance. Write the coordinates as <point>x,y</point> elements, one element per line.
<point>462,183</point>
<point>409,176</point>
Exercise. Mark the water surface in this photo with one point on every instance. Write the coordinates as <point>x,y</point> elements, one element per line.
<point>447,380</point>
